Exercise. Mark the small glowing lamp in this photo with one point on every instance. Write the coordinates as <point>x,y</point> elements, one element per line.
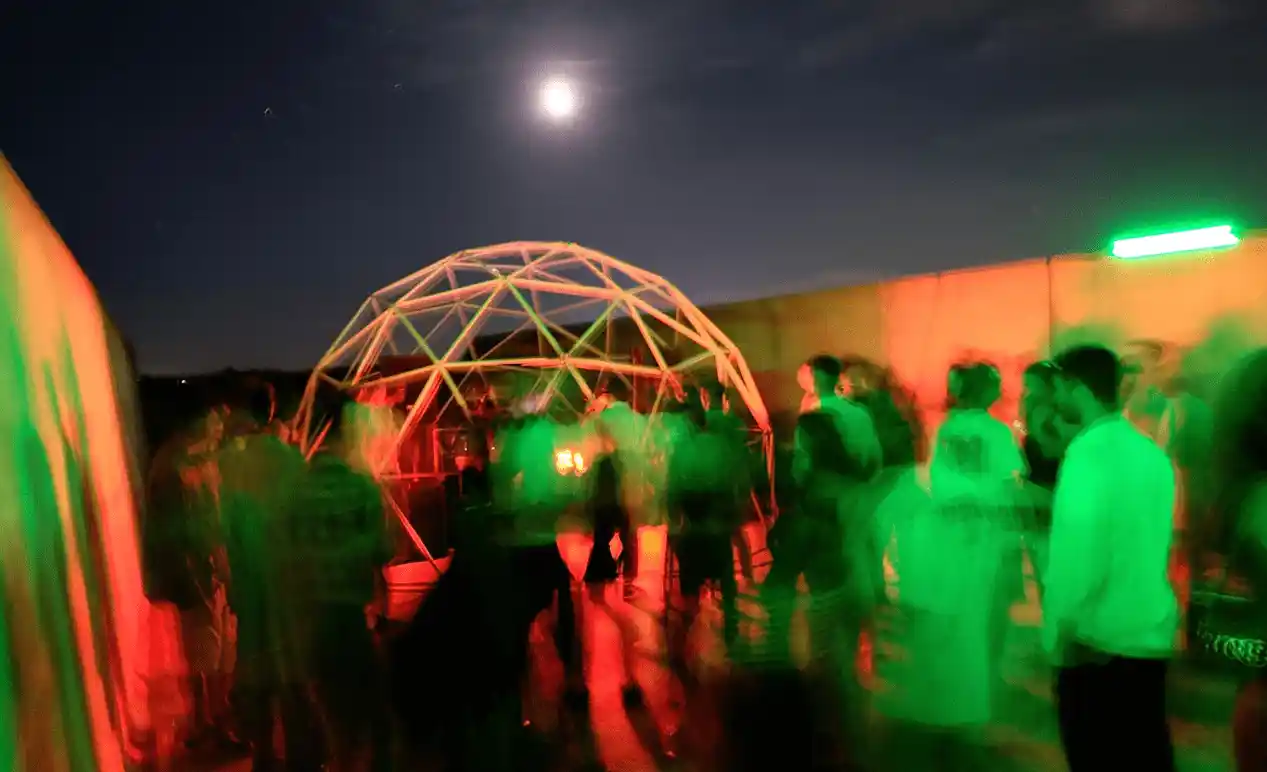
<point>1179,241</point>
<point>569,462</point>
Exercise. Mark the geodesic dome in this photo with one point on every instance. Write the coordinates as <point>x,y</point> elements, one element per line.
<point>573,319</point>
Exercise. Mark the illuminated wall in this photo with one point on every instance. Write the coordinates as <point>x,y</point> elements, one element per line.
<point>919,325</point>
<point>71,578</point>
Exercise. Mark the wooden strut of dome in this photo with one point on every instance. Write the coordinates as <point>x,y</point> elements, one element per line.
<point>479,289</point>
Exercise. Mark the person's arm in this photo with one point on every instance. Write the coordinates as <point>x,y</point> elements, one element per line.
<point>1077,552</point>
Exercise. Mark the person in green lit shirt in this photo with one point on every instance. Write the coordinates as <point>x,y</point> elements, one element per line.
<point>1109,611</point>
<point>821,379</point>
<point>338,546</point>
<point>528,501</point>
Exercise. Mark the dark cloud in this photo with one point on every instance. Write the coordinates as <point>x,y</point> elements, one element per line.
<point>299,154</point>
<point>1161,16</point>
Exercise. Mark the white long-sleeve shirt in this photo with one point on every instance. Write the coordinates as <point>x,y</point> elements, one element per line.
<point>1107,586</point>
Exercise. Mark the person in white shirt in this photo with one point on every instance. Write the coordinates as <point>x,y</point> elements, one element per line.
<point>1109,611</point>
<point>974,479</point>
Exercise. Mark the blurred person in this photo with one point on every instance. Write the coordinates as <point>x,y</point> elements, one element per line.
<point>185,552</point>
<point>892,410</point>
<point>1240,455</point>
<point>467,641</point>
<point>976,470</point>
<point>717,410</point>
<point>340,545</point>
<point>261,475</point>
<point>820,377</point>
<point>1046,433</point>
<point>621,431</point>
<point>1159,402</point>
<point>903,444</point>
<point>529,499</point>
<point>818,536</point>
<point>828,539</point>
<point>1186,435</point>
<point>469,490</point>
<point>956,557</point>
<point>940,692</point>
<point>1046,436</point>
<point>607,515</point>
<point>708,491</point>
<point>829,390</point>
<point>1109,613</point>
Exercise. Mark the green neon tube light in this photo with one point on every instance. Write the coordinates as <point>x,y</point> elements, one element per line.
<point>1179,241</point>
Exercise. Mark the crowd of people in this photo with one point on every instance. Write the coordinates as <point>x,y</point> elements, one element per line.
<point>274,561</point>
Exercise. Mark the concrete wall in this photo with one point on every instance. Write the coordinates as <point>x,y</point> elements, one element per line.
<point>1010,313</point>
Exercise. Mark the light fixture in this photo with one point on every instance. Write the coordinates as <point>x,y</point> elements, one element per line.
<point>569,462</point>
<point>1179,241</point>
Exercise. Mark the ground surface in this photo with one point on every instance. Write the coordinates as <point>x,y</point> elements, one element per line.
<point>638,739</point>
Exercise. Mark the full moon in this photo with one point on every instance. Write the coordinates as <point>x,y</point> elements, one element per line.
<point>558,99</point>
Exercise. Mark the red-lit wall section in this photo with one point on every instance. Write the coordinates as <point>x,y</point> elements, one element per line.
<point>1010,313</point>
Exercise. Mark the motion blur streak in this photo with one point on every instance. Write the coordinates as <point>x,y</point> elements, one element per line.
<point>71,578</point>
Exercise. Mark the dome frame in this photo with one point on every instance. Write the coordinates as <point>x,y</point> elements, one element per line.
<point>575,302</point>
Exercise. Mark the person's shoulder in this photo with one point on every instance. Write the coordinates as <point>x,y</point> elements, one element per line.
<point>995,427</point>
<point>330,469</point>
<point>728,422</point>
<point>1123,440</point>
<point>957,423</point>
<point>850,413</point>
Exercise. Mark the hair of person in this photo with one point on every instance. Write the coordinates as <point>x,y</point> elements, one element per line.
<point>972,385</point>
<point>825,366</point>
<point>877,376</point>
<point>1096,368</point>
<point>1044,371</point>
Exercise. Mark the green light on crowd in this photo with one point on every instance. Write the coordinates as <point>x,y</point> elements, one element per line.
<point>1179,241</point>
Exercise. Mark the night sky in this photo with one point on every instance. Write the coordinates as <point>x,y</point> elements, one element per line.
<point>237,176</point>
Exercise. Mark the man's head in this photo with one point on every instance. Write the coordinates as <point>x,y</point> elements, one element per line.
<point>973,385</point>
<point>820,375</point>
<point>1090,382</point>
